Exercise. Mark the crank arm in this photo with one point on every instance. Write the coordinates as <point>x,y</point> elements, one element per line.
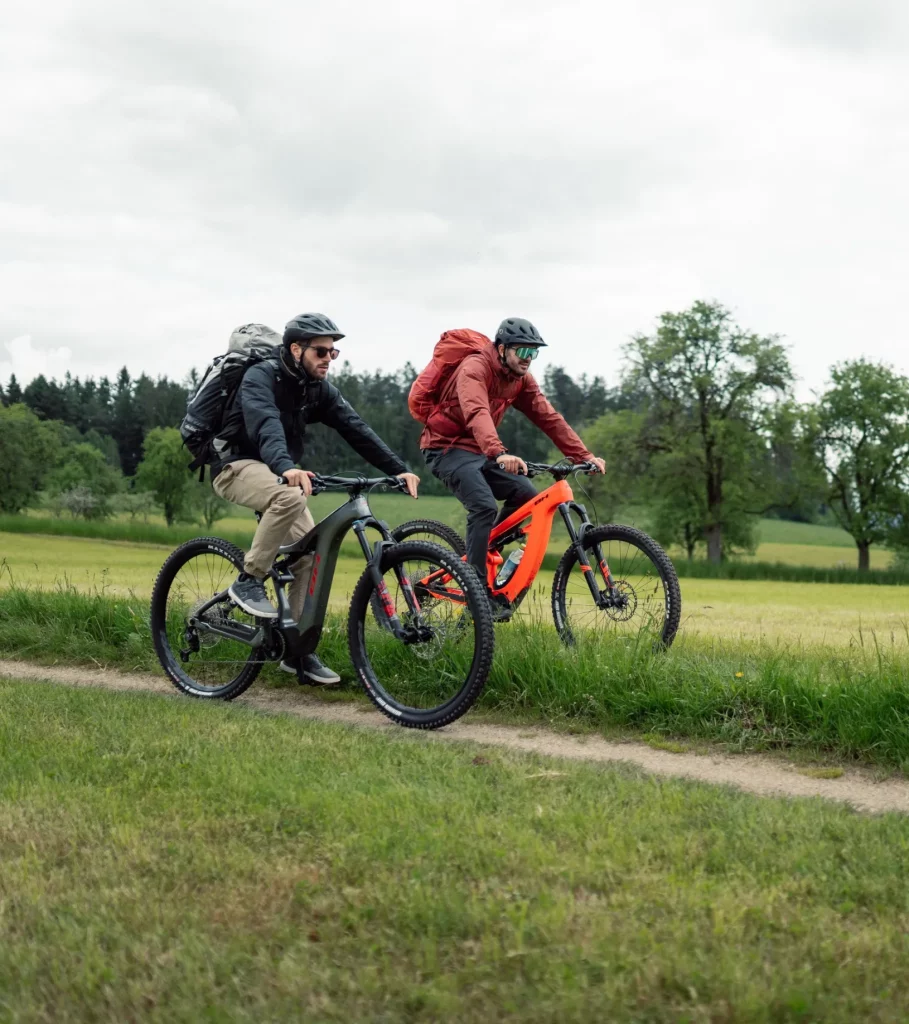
<point>252,636</point>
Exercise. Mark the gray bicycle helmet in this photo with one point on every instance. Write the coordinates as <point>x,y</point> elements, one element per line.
<point>310,325</point>
<point>516,331</point>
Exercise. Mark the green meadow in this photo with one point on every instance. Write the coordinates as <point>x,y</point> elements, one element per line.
<point>171,861</point>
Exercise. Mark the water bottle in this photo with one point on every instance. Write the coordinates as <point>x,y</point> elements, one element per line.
<point>508,567</point>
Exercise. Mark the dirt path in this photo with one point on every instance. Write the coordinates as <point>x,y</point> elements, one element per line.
<point>754,774</point>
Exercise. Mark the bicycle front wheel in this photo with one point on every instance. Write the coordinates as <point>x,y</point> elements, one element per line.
<point>645,600</point>
<point>429,672</point>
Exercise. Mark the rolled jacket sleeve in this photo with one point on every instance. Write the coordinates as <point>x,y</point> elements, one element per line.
<point>539,410</point>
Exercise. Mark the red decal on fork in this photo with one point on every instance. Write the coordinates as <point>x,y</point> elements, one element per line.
<point>385,598</point>
<point>604,568</point>
<point>408,589</point>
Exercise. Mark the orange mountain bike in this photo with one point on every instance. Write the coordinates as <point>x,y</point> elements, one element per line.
<point>613,580</point>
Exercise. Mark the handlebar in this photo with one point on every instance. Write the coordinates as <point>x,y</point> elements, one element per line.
<point>561,469</point>
<point>352,484</point>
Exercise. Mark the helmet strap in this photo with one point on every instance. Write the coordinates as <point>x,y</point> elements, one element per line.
<point>294,366</point>
<point>502,359</point>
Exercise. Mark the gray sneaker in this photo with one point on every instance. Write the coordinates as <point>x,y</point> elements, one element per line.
<point>312,671</point>
<point>248,593</point>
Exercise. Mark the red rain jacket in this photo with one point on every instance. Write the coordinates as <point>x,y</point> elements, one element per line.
<point>475,399</point>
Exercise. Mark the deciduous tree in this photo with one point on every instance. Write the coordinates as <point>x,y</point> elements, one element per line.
<point>163,471</point>
<point>28,452</point>
<point>84,469</point>
<point>862,437</point>
<point>706,385</point>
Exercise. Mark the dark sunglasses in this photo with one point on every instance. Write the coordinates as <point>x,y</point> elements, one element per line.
<point>526,351</point>
<point>321,351</point>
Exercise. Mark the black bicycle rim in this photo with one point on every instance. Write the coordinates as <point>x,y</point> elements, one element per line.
<point>434,679</point>
<point>644,604</point>
<point>200,663</point>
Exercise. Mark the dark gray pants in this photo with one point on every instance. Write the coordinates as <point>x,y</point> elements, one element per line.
<point>477,483</point>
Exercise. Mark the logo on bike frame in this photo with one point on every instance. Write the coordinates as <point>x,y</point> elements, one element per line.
<point>315,575</point>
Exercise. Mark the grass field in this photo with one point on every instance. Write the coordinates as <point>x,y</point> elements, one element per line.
<point>805,613</point>
<point>781,531</point>
<point>396,508</point>
<point>779,541</point>
<point>821,556</point>
<point>168,861</point>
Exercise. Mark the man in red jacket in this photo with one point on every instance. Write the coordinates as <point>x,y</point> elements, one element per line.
<point>461,444</point>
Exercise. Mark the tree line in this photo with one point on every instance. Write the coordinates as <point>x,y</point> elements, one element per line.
<point>701,433</point>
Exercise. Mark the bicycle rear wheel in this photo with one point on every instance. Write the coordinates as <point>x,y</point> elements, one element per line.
<point>646,602</point>
<point>432,674</point>
<point>200,663</point>
<point>433,531</point>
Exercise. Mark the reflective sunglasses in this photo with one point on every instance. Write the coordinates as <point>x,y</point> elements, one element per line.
<point>321,351</point>
<point>526,351</point>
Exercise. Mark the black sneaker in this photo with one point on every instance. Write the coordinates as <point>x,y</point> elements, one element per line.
<point>311,671</point>
<point>248,593</point>
<point>502,609</point>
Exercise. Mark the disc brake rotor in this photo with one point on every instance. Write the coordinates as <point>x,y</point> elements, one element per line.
<point>625,594</point>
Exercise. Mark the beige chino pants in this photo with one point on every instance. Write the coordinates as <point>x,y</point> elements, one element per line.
<point>285,519</point>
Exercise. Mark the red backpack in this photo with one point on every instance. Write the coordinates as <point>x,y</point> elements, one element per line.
<point>451,349</point>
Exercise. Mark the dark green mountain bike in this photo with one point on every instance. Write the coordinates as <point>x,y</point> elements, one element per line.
<point>422,655</point>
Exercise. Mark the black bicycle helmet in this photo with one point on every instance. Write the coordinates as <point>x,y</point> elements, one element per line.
<point>310,325</point>
<point>516,331</point>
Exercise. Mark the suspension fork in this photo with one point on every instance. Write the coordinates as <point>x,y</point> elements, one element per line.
<point>577,543</point>
<point>373,561</point>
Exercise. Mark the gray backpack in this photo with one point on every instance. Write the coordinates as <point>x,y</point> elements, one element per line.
<point>201,426</point>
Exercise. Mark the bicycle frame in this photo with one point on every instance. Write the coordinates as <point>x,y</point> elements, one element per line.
<point>323,542</point>
<point>541,511</point>
<point>532,524</point>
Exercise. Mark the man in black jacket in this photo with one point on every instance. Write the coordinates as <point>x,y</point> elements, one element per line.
<point>265,425</point>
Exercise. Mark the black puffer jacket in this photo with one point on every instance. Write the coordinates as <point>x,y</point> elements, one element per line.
<point>268,415</point>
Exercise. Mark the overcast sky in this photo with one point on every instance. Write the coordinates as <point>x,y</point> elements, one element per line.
<point>171,170</point>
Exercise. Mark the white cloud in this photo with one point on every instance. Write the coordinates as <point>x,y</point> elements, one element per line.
<point>27,362</point>
<point>407,167</point>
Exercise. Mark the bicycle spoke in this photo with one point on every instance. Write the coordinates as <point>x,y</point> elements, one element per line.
<point>212,661</point>
<point>429,671</point>
<point>636,607</point>
<point>423,661</point>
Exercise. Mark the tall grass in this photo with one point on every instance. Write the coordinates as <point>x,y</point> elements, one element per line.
<point>853,701</point>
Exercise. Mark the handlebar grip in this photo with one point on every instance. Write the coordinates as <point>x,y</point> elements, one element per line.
<point>314,477</point>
